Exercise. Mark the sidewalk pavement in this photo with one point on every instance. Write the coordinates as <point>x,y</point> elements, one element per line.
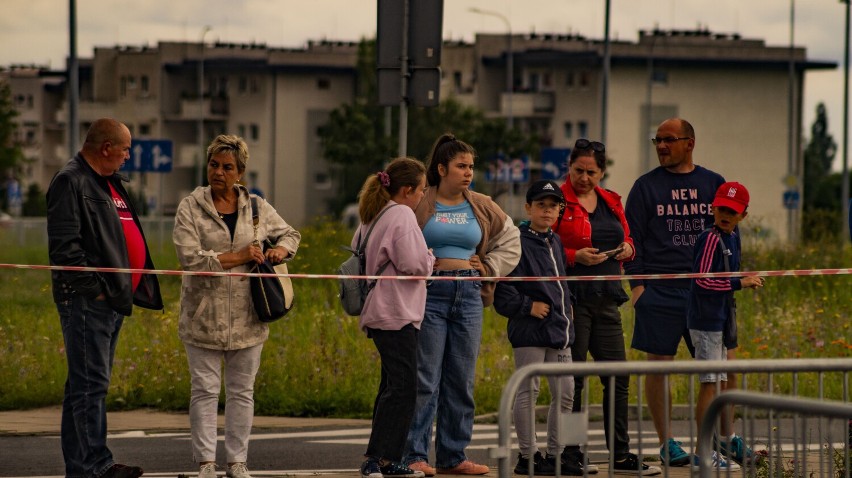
<point>46,421</point>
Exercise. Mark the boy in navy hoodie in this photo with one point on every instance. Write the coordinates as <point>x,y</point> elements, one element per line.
<point>540,326</point>
<point>711,299</point>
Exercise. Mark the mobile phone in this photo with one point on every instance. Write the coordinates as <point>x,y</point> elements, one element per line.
<point>613,252</point>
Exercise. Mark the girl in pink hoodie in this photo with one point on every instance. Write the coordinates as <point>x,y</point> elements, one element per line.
<point>393,309</point>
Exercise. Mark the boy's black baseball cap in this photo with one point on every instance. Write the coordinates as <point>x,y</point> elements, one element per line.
<point>544,188</point>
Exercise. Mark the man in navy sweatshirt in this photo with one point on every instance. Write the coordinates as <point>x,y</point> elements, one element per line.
<point>667,209</point>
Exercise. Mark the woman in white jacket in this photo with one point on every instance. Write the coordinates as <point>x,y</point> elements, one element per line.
<point>214,232</point>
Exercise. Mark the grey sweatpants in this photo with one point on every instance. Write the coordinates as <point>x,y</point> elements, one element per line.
<point>528,394</point>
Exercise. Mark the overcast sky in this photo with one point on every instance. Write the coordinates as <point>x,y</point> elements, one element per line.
<point>36,31</point>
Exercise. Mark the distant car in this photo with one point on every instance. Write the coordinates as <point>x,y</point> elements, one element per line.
<point>350,217</point>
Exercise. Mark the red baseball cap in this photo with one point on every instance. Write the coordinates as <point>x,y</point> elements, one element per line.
<point>732,195</point>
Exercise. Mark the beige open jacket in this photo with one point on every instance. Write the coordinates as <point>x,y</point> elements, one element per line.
<point>217,312</point>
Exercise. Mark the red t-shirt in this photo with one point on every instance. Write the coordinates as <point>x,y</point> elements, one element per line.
<point>132,236</point>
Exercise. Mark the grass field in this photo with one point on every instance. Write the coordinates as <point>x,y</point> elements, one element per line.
<point>317,362</point>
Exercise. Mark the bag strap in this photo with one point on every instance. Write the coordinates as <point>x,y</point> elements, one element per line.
<point>726,253</point>
<point>363,245</point>
<point>255,218</point>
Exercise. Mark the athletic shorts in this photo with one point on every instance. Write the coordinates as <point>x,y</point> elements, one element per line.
<point>660,320</point>
<point>709,345</point>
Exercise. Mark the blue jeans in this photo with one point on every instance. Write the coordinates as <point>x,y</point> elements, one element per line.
<point>447,347</point>
<point>90,329</point>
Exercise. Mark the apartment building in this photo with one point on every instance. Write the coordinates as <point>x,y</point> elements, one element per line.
<point>737,92</point>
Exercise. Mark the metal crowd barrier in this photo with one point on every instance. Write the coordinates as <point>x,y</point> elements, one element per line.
<point>752,376</point>
<point>827,465</point>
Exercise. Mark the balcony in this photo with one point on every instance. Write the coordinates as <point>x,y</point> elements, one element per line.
<point>214,108</point>
<point>528,103</point>
<point>187,155</point>
<point>89,111</point>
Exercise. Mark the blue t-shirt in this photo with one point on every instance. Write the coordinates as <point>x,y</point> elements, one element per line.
<point>666,212</point>
<point>453,232</point>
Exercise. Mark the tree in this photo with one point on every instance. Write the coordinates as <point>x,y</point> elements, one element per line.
<point>354,137</point>
<point>10,151</point>
<point>821,206</point>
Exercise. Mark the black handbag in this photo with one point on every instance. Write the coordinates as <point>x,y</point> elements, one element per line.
<point>267,293</point>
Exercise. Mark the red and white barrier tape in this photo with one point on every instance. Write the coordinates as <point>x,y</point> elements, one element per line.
<point>691,275</point>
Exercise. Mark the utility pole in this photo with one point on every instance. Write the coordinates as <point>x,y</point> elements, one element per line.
<point>203,149</point>
<point>73,127</point>
<point>844,190</point>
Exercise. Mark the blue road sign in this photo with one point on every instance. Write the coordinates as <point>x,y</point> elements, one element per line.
<point>554,163</point>
<point>149,155</point>
<point>791,199</point>
<point>515,170</point>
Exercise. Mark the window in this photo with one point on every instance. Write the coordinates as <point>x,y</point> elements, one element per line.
<point>241,130</point>
<point>254,131</point>
<point>323,83</point>
<point>569,79</point>
<point>568,129</point>
<point>131,82</point>
<point>122,86</point>
<point>457,81</point>
<point>535,82</point>
<point>254,85</point>
<point>144,129</point>
<point>584,79</point>
<point>143,84</point>
<point>242,84</point>
<point>582,129</point>
<point>545,80</point>
<point>660,77</point>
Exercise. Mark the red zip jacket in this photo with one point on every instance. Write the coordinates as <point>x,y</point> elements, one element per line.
<point>575,230</point>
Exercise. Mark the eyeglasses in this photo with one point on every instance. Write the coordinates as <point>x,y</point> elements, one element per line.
<point>583,143</point>
<point>666,141</point>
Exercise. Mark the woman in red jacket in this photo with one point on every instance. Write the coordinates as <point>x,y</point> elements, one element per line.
<point>596,239</point>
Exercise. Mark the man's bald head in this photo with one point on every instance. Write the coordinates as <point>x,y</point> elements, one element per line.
<point>107,145</point>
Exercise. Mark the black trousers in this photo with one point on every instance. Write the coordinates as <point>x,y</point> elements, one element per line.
<point>598,330</point>
<point>397,395</point>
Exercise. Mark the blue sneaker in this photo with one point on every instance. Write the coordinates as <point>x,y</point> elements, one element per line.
<point>736,450</point>
<point>675,456</point>
<point>717,462</point>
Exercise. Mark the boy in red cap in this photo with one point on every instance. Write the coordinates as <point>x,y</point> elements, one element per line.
<point>711,299</point>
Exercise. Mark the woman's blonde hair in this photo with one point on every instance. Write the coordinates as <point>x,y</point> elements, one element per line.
<point>380,187</point>
<point>232,144</point>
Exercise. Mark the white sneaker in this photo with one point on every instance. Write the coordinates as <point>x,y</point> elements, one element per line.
<point>207,470</point>
<point>238,470</point>
<point>717,462</point>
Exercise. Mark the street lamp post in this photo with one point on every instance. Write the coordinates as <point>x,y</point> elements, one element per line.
<point>203,151</point>
<point>510,79</point>
<point>844,190</point>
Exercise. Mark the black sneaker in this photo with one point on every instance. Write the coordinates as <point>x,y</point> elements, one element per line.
<point>122,471</point>
<point>575,463</point>
<point>629,464</point>
<point>370,469</point>
<point>543,467</point>
<point>399,470</point>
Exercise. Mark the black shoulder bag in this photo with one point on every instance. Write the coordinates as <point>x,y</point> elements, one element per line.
<point>267,292</point>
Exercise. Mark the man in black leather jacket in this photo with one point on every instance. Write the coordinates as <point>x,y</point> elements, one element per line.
<point>91,223</point>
